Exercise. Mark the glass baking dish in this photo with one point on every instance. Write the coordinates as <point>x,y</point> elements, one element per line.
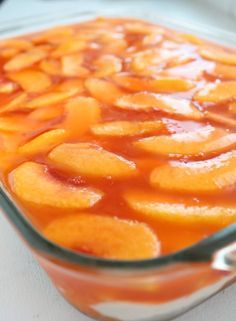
<point>156,289</point>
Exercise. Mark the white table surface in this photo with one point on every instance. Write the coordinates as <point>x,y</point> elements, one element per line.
<point>26,293</point>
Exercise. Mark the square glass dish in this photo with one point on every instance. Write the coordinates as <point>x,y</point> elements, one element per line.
<point>154,289</point>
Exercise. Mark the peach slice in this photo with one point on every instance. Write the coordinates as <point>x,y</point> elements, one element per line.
<point>54,36</point>
<point>44,142</point>
<point>7,87</point>
<point>72,66</point>
<point>32,183</point>
<point>46,113</point>
<point>103,90</point>
<point>152,39</point>
<point>31,80</point>
<point>158,85</point>
<point>69,47</point>
<point>107,65</point>
<point>51,67</point>
<point>175,210</point>
<point>91,160</point>
<point>221,119</point>
<point>225,71</point>
<point>10,124</point>
<point>72,85</point>
<point>201,142</point>
<point>232,107</point>
<point>104,236</point>
<point>17,43</point>
<point>219,55</point>
<point>144,101</point>
<point>25,59</point>
<point>126,128</point>
<point>17,102</point>
<point>213,175</point>
<point>49,99</point>
<point>216,92</point>
<point>82,112</point>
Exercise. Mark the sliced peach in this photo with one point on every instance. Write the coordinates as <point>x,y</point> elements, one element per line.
<point>9,52</point>
<point>25,59</point>
<point>72,85</point>
<point>51,66</point>
<point>158,85</point>
<point>221,119</point>
<point>32,182</point>
<point>10,124</point>
<point>82,112</point>
<point>201,142</point>
<point>103,90</point>
<point>44,142</point>
<point>46,113</point>
<point>69,47</point>
<point>7,87</point>
<point>17,102</point>
<point>218,54</point>
<point>216,92</point>
<point>191,38</point>
<point>91,160</point>
<point>180,211</point>
<point>104,236</point>
<point>15,43</point>
<point>213,175</point>
<point>72,66</point>
<point>232,107</point>
<point>126,128</point>
<point>54,35</point>
<point>107,65</point>
<point>49,99</point>
<point>225,71</point>
<point>144,101</point>
<point>31,80</point>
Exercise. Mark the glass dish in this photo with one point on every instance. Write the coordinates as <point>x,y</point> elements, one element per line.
<point>157,289</point>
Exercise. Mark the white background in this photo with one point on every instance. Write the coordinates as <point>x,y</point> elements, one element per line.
<point>26,293</point>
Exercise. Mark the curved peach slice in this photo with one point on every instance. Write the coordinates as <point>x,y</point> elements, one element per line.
<point>201,142</point>
<point>7,87</point>
<point>10,124</point>
<point>104,236</point>
<point>91,160</point>
<point>103,90</point>
<point>107,65</point>
<point>216,92</point>
<point>225,71</point>
<point>44,142</point>
<point>213,175</point>
<point>51,67</point>
<point>144,101</point>
<point>17,102</point>
<point>72,66</point>
<point>82,112</point>
<point>31,80</point>
<point>69,46</point>
<point>218,54</point>
<point>72,85</point>
<point>232,107</point>
<point>25,59</point>
<point>126,128</point>
<point>158,85</point>
<point>178,211</point>
<point>49,99</point>
<point>46,113</point>
<point>16,43</point>
<point>31,182</point>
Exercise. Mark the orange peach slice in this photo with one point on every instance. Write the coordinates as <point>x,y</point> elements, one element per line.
<point>69,47</point>
<point>175,210</point>
<point>104,236</point>
<point>72,85</point>
<point>72,66</point>
<point>225,71</point>
<point>216,92</point>
<point>43,143</point>
<point>218,54</point>
<point>46,113</point>
<point>213,175</point>
<point>103,90</point>
<point>107,65</point>
<point>51,67</point>
<point>82,112</point>
<point>144,101</point>
<point>19,44</point>
<point>158,85</point>
<point>232,107</point>
<point>32,183</point>
<point>201,142</point>
<point>31,80</point>
<point>221,119</point>
<point>17,102</point>
<point>25,59</point>
<point>10,124</point>
<point>92,160</point>
<point>7,87</point>
<point>49,99</point>
<point>126,128</point>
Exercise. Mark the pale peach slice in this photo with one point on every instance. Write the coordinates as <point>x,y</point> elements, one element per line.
<point>103,90</point>
<point>155,85</point>
<point>17,102</point>
<point>218,54</point>
<point>7,87</point>
<point>49,99</point>
<point>25,59</point>
<point>213,175</point>
<point>232,107</point>
<point>81,113</point>
<point>225,71</point>
<point>175,210</point>
<point>44,142</point>
<point>72,85</point>
<point>126,128</point>
<point>72,66</point>
<point>69,47</point>
<point>19,44</point>
<point>201,142</point>
<point>51,67</point>
<point>144,101</point>
<point>107,65</point>
<point>46,113</point>
<point>221,119</point>
<point>31,80</point>
<point>92,160</point>
<point>33,183</point>
<point>104,236</point>
<point>216,92</point>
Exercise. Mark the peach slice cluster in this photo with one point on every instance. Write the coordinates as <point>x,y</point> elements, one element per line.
<point>113,122</point>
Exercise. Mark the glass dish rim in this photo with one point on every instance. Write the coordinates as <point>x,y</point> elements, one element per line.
<point>202,251</point>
